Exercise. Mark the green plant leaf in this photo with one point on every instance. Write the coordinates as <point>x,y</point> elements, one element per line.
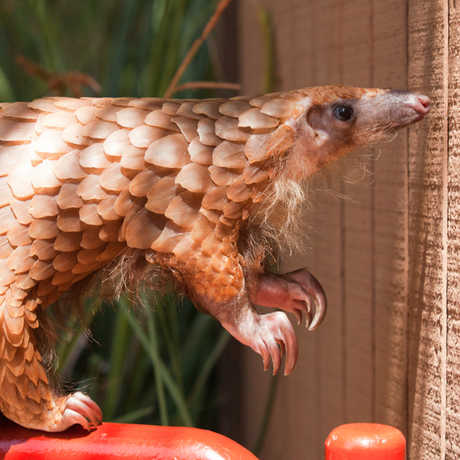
<point>159,366</point>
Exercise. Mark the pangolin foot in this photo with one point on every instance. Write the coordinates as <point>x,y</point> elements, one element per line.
<point>309,297</point>
<point>298,292</point>
<point>273,337</point>
<point>79,409</point>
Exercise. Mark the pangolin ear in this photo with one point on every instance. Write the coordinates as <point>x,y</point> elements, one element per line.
<point>315,118</point>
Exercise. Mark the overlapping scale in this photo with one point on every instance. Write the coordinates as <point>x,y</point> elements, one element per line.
<point>68,167</point>
<point>13,155</point>
<point>257,121</point>
<point>68,197</point>
<point>209,109</point>
<point>223,176</point>
<point>207,132</point>
<point>14,131</point>
<point>168,238</point>
<point>142,136</point>
<point>19,111</point>
<point>187,127</point>
<point>130,117</point>
<point>51,145</point>
<point>109,232</point>
<point>227,128</point>
<point>142,183</point>
<point>234,108</point>
<point>7,219</point>
<point>113,179</point>
<point>90,189</point>
<point>161,193</point>
<point>194,177</point>
<point>183,209</point>
<point>20,181</point>
<point>168,152</point>
<point>115,144</point>
<point>106,210</point>
<point>93,158</point>
<point>43,178</point>
<point>200,153</point>
<point>43,206</point>
<point>69,241</point>
<point>229,155</point>
<point>160,119</point>
<point>142,229</point>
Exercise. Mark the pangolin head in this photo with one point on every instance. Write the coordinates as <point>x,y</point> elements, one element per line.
<point>332,120</point>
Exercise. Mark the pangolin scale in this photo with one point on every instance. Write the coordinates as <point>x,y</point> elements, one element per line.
<point>83,180</point>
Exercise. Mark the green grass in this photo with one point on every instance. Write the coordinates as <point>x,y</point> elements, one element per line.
<point>156,365</point>
<point>130,47</point>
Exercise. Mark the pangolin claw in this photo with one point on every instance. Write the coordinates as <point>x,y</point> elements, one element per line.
<point>272,338</point>
<point>312,287</point>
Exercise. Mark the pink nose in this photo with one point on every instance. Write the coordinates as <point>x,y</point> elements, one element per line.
<point>420,103</point>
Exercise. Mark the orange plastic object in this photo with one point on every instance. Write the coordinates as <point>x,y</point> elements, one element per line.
<point>119,441</point>
<point>365,441</point>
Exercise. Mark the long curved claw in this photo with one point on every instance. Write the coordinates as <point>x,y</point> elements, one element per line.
<point>275,354</point>
<point>292,351</point>
<point>265,356</point>
<point>313,288</point>
<point>85,407</point>
<point>298,316</point>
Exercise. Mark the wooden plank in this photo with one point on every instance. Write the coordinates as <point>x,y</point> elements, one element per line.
<point>320,64</point>
<point>427,238</point>
<point>453,254</point>
<point>357,49</point>
<point>390,226</point>
<point>310,402</point>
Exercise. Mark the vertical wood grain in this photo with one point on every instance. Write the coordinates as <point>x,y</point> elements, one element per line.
<point>390,225</point>
<point>357,52</point>
<point>453,234</point>
<point>428,207</point>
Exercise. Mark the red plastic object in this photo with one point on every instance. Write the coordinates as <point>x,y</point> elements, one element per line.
<point>365,441</point>
<point>119,441</point>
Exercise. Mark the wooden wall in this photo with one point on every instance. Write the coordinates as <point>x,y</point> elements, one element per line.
<point>387,254</point>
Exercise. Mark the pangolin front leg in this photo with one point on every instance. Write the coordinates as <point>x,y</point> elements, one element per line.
<point>297,292</point>
<point>216,283</point>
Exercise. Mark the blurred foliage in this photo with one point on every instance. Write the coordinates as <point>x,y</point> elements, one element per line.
<point>131,47</point>
<point>155,366</point>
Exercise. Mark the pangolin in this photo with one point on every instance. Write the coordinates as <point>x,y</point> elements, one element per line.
<point>188,184</point>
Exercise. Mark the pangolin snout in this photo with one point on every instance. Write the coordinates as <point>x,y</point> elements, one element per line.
<point>406,107</point>
<point>418,103</point>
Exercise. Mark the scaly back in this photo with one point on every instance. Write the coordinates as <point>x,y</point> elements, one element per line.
<point>82,179</point>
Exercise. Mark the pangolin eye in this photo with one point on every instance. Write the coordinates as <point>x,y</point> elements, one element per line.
<point>342,112</point>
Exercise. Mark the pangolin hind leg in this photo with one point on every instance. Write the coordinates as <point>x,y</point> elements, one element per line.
<point>297,292</point>
<point>26,395</point>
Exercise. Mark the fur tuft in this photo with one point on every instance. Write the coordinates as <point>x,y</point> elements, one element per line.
<point>276,225</point>
<point>131,273</point>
